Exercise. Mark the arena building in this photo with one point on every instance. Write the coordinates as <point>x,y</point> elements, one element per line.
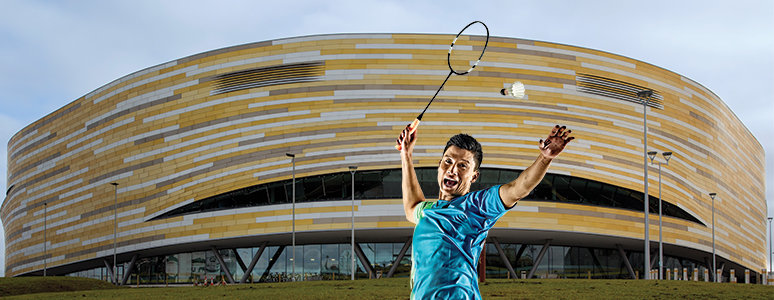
<point>198,148</point>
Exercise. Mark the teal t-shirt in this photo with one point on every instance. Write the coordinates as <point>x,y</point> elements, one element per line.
<point>447,243</point>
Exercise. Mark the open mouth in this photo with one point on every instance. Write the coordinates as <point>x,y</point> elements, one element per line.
<point>449,183</point>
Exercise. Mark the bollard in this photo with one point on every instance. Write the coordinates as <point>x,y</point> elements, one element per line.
<point>706,275</point>
<point>138,279</point>
<point>732,277</point>
<point>746,276</point>
<point>770,279</point>
<point>668,274</point>
<point>717,276</point>
<point>677,274</point>
<point>523,274</point>
<point>695,274</point>
<point>685,274</point>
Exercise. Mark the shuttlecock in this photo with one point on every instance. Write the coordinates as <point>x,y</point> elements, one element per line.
<point>516,90</point>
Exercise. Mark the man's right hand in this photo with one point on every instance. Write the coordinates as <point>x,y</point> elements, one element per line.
<point>407,140</point>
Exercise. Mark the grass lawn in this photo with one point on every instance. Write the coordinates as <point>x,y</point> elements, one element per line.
<point>27,285</point>
<point>398,288</point>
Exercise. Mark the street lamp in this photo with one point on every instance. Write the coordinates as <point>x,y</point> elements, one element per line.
<point>714,271</point>
<point>771,250</point>
<point>293,160</point>
<point>667,156</point>
<point>45,247</point>
<point>352,170</point>
<point>115,230</point>
<point>644,96</point>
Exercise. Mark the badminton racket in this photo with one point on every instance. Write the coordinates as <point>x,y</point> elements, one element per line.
<point>413,126</point>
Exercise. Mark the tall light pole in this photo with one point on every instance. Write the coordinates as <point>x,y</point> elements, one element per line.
<point>293,160</point>
<point>667,156</point>
<point>45,240</point>
<point>644,96</point>
<point>771,250</point>
<point>352,170</point>
<point>714,271</point>
<point>115,230</point>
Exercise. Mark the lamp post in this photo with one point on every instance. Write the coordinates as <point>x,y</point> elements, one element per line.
<point>644,96</point>
<point>293,160</point>
<point>667,156</point>
<point>771,250</point>
<point>115,230</point>
<point>352,170</point>
<point>714,271</point>
<point>45,247</point>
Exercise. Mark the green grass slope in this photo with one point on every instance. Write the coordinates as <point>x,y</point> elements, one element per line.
<point>398,288</point>
<point>10,286</point>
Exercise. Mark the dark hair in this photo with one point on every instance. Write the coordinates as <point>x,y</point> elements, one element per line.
<point>467,142</point>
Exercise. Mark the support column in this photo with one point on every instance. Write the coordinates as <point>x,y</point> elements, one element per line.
<point>504,258</point>
<point>249,269</point>
<point>626,261</point>
<point>271,263</point>
<point>364,261</point>
<point>223,265</point>
<point>110,271</point>
<point>395,263</point>
<point>539,259</point>
<point>239,260</point>
<point>128,271</point>
<point>521,251</point>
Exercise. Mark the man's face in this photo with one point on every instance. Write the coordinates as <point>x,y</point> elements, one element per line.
<point>456,172</point>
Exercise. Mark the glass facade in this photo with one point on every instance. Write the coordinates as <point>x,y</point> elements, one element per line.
<point>332,262</point>
<point>385,184</point>
<point>573,262</point>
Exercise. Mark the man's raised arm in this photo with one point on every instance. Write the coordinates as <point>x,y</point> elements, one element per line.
<point>519,188</point>
<point>412,192</point>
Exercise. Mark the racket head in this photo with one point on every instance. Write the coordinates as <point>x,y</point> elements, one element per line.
<point>451,48</point>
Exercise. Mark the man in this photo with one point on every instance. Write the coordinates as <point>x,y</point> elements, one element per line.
<point>450,233</point>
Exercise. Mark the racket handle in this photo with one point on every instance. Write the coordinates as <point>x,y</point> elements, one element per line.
<point>412,129</point>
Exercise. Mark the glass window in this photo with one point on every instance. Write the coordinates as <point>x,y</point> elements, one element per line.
<point>369,250</point>
<point>198,265</point>
<point>345,259</point>
<point>312,262</point>
<point>172,267</point>
<point>299,258</point>
<point>312,187</point>
<point>385,184</point>
<point>279,269</point>
<point>383,258</point>
<point>330,259</point>
<point>391,184</point>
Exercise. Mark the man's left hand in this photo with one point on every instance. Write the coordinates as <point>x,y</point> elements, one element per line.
<point>555,142</point>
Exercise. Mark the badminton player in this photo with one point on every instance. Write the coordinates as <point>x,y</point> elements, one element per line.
<point>450,232</point>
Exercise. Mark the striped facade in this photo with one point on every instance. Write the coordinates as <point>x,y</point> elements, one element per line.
<point>220,121</point>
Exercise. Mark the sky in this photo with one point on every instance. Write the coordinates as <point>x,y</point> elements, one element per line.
<point>53,52</point>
